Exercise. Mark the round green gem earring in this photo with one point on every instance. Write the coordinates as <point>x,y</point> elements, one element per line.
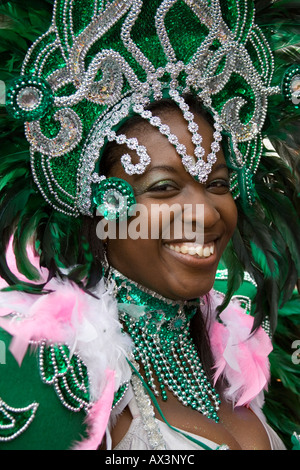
<point>113,198</point>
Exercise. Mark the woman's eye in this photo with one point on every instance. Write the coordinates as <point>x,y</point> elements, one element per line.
<point>219,186</point>
<point>164,186</point>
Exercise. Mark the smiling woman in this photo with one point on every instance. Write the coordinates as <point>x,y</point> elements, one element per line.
<point>146,123</point>
<point>186,272</point>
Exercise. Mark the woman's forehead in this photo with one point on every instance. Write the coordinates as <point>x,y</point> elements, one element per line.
<point>160,149</point>
<point>163,155</point>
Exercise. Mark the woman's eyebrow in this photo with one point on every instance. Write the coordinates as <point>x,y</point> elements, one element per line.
<point>162,167</point>
<point>173,169</point>
<point>220,166</point>
<point>145,176</point>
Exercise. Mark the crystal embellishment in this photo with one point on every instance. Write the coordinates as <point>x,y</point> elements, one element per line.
<point>29,98</point>
<point>114,198</point>
<point>291,85</point>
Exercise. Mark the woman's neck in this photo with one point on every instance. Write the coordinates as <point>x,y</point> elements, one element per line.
<point>130,292</point>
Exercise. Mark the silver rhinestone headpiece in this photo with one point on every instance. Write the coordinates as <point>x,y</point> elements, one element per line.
<point>100,62</point>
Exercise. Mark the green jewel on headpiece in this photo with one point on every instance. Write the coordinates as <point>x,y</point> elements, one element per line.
<point>113,198</point>
<point>291,85</point>
<point>29,98</point>
<point>106,60</point>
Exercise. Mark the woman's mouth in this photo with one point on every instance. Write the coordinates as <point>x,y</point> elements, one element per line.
<point>193,249</point>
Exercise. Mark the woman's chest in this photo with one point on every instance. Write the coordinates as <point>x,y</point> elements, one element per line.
<point>238,428</point>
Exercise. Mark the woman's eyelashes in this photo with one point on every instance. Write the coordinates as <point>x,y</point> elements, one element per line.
<point>163,186</point>
<point>170,187</point>
<point>159,188</point>
<point>218,185</point>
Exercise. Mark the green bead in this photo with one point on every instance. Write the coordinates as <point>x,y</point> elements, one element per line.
<point>164,358</point>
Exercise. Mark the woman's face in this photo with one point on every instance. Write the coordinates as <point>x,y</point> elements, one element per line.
<point>172,263</point>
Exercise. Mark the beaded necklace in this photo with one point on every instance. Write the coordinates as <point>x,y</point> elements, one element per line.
<point>160,330</point>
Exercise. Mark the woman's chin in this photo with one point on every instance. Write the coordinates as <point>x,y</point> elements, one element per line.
<point>185,290</point>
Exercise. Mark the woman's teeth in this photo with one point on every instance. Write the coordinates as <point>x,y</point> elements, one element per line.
<point>202,251</point>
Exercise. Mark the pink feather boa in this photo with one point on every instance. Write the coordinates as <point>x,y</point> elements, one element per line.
<point>87,324</point>
<point>98,416</point>
<point>54,316</point>
<point>240,356</point>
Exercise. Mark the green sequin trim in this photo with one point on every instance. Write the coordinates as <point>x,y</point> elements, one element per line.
<point>14,421</point>
<point>119,395</point>
<point>129,292</point>
<point>69,376</point>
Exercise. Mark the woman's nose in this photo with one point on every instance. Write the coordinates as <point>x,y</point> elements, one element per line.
<point>211,214</point>
<point>200,214</point>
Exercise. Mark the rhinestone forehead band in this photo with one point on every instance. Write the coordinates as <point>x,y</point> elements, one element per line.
<point>99,62</point>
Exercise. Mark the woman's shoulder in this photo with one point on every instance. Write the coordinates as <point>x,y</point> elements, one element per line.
<point>29,405</point>
<point>71,380</point>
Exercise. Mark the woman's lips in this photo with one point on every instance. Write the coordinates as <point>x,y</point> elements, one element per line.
<point>194,254</point>
<point>193,249</point>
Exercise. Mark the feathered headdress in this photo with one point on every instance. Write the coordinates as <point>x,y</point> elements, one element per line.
<point>98,62</point>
